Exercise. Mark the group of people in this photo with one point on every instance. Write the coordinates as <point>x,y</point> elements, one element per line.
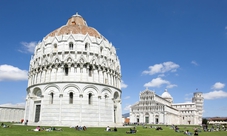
<point>214,128</point>
<point>38,128</point>
<point>186,132</point>
<point>109,129</point>
<point>24,121</point>
<point>131,131</point>
<point>84,128</point>
<point>4,125</point>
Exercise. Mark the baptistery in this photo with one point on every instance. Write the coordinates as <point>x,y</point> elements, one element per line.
<point>74,79</point>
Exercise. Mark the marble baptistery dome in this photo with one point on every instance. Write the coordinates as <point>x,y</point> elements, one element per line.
<point>74,78</point>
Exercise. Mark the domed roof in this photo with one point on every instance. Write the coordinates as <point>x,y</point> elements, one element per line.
<point>75,25</point>
<point>166,94</point>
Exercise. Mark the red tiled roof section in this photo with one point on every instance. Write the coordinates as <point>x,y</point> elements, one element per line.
<point>75,25</point>
<point>217,119</point>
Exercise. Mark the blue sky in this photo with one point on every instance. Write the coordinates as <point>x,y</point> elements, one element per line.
<point>179,45</point>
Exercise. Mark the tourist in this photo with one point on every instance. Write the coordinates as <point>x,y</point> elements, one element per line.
<point>176,129</point>
<point>22,120</point>
<point>108,128</point>
<point>76,128</point>
<point>79,128</point>
<point>196,133</point>
<point>159,128</point>
<point>115,129</point>
<point>37,128</point>
<point>26,122</point>
<point>5,126</point>
<point>131,131</point>
<point>187,132</point>
<point>84,128</point>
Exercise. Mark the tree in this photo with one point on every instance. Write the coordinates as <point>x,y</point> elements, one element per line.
<point>204,121</point>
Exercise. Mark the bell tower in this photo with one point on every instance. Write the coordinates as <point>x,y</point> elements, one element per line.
<point>198,100</point>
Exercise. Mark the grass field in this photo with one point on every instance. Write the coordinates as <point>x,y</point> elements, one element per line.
<point>21,130</point>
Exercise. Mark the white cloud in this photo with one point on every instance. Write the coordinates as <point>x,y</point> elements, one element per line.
<point>127,108</point>
<point>194,63</point>
<point>188,99</point>
<point>28,47</point>
<point>161,75</point>
<point>127,97</point>
<point>226,28</point>
<point>171,86</point>
<point>123,85</point>
<point>8,72</point>
<point>158,82</point>
<point>162,68</point>
<point>215,95</point>
<point>19,105</point>
<point>189,94</point>
<point>218,85</point>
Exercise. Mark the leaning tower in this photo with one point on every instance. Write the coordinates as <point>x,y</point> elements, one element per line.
<point>198,100</point>
<point>74,78</point>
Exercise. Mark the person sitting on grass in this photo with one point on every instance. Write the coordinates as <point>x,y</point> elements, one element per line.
<point>187,132</point>
<point>84,128</point>
<point>5,126</point>
<point>131,131</point>
<point>108,128</point>
<point>52,129</point>
<point>37,128</point>
<point>115,129</point>
<point>159,128</point>
<point>196,133</point>
<point>176,129</point>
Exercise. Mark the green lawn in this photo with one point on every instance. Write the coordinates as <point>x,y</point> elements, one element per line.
<point>21,130</point>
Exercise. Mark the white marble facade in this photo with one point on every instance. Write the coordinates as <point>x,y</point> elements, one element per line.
<point>11,114</point>
<point>155,109</point>
<point>74,79</point>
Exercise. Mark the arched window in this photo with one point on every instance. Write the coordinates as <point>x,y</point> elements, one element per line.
<point>90,71</point>
<point>106,96</point>
<point>106,99</point>
<point>116,95</point>
<point>66,69</point>
<point>101,48</point>
<point>70,46</point>
<point>70,98</point>
<point>51,98</point>
<point>55,46</point>
<point>86,46</point>
<point>90,98</point>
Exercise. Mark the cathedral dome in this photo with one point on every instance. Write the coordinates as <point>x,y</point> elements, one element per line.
<point>166,95</point>
<point>75,25</point>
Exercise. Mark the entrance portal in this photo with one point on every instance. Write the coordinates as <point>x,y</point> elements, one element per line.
<point>37,113</point>
<point>146,119</point>
<point>156,121</point>
<point>138,120</point>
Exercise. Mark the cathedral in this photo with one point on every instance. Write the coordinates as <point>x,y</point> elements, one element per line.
<point>155,109</point>
<point>74,79</point>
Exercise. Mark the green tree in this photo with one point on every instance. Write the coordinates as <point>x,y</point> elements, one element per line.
<point>204,121</point>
